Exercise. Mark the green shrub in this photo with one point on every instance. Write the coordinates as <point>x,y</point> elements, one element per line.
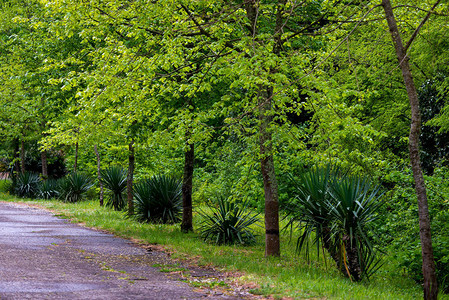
<point>5,185</point>
<point>158,200</point>
<point>402,226</point>
<point>229,223</point>
<point>335,211</point>
<point>74,186</point>
<point>114,180</point>
<point>26,185</point>
<point>48,189</point>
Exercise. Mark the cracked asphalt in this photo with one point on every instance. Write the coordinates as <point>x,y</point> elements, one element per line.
<point>44,257</point>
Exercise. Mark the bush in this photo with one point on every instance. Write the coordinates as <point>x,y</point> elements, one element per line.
<point>48,189</point>
<point>74,186</point>
<point>114,180</point>
<point>402,226</point>
<point>158,200</point>
<point>229,223</point>
<point>26,185</point>
<point>335,211</point>
<point>5,185</point>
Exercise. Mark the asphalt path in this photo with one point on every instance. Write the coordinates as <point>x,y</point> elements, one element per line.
<point>45,257</point>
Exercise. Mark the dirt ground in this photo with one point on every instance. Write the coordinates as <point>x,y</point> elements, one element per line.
<point>44,257</point>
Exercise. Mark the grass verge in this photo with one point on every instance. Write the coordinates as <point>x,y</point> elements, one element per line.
<point>287,276</point>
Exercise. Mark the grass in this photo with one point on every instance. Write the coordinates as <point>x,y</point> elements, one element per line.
<point>287,276</point>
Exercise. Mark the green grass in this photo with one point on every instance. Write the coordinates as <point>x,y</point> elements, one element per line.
<point>287,276</point>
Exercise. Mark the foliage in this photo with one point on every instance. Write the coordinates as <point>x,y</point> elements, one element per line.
<point>399,216</point>
<point>5,185</point>
<point>158,200</point>
<point>114,180</point>
<point>336,211</point>
<point>48,189</point>
<point>229,223</point>
<point>79,74</point>
<point>74,186</point>
<point>434,144</point>
<point>27,185</point>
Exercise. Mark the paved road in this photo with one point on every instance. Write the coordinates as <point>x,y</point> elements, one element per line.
<point>43,257</point>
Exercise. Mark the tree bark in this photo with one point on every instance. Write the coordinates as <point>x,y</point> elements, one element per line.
<point>16,157</point>
<point>187,186</point>
<point>355,271</point>
<point>428,264</point>
<point>99,175</point>
<point>22,156</point>
<point>44,162</point>
<point>272,243</point>
<point>130,177</point>
<point>75,166</point>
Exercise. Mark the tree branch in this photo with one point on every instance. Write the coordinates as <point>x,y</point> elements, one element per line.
<point>410,41</point>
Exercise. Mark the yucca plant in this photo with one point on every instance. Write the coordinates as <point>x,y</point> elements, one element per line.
<point>308,212</point>
<point>48,189</point>
<point>353,209</point>
<point>158,200</point>
<point>335,210</point>
<point>26,185</point>
<point>74,186</point>
<point>114,180</point>
<point>229,223</point>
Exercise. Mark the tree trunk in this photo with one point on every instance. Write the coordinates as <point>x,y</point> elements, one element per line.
<point>76,157</point>
<point>352,255</point>
<point>99,175</point>
<point>44,165</point>
<point>428,264</point>
<point>16,157</point>
<point>130,177</point>
<point>272,243</point>
<point>333,250</point>
<point>22,156</point>
<point>187,186</point>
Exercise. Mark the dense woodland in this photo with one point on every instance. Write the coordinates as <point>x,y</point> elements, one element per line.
<point>254,103</point>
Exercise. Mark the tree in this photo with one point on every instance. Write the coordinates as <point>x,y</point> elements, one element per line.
<point>428,266</point>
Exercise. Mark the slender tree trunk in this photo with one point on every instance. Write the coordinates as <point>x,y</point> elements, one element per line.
<point>130,177</point>
<point>99,175</point>
<point>428,264</point>
<point>187,186</point>
<point>16,157</point>
<point>44,162</point>
<point>22,156</point>
<point>272,243</point>
<point>75,166</point>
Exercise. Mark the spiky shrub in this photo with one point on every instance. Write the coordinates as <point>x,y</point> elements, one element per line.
<point>229,223</point>
<point>309,211</point>
<point>48,189</point>
<point>114,180</point>
<point>74,186</point>
<point>355,206</point>
<point>334,211</point>
<point>158,200</point>
<point>26,185</point>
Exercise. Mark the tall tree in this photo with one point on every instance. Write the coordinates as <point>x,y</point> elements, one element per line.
<point>428,264</point>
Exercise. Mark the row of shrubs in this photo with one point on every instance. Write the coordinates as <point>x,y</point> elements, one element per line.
<point>156,200</point>
<point>70,188</point>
